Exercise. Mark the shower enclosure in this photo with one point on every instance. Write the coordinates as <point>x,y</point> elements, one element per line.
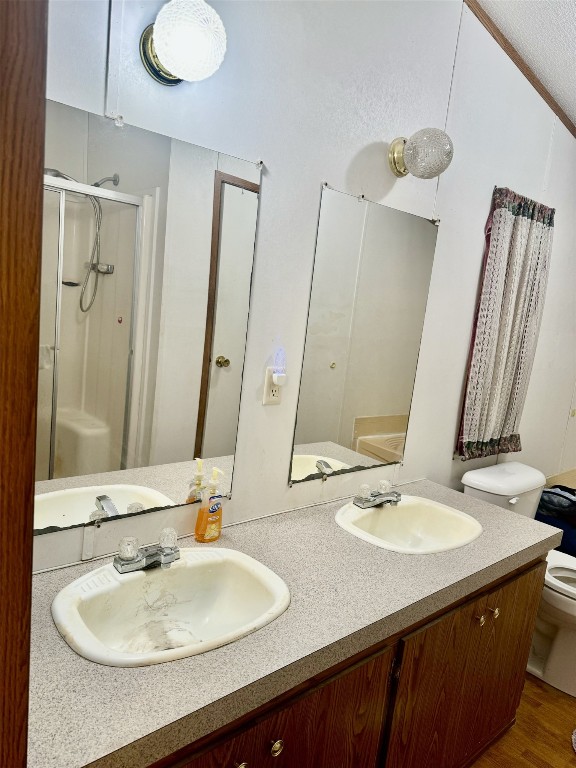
<point>90,261</point>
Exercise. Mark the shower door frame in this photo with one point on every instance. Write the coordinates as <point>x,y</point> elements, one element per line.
<point>61,186</point>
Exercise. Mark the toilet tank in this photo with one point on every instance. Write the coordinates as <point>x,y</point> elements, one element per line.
<point>510,485</point>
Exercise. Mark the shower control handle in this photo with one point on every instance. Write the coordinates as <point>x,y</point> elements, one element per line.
<point>103,269</point>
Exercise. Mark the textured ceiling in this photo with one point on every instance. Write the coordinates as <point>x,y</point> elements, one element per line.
<point>544,34</point>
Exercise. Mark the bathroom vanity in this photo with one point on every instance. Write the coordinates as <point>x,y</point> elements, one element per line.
<point>436,697</point>
<point>382,658</point>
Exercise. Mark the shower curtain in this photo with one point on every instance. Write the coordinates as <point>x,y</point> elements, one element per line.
<point>514,276</point>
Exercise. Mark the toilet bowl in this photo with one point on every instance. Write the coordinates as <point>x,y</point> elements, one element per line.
<point>518,487</point>
<point>553,653</point>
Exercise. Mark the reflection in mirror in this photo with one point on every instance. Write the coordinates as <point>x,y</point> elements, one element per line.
<point>371,278</point>
<point>146,273</point>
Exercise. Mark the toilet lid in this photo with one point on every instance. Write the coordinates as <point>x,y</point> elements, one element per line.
<point>561,573</point>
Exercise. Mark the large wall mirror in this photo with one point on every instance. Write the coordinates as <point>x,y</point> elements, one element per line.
<point>369,292</point>
<point>146,273</point>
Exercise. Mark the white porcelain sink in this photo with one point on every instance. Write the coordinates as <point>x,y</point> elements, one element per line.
<point>207,598</point>
<point>74,506</point>
<point>304,465</point>
<point>415,526</point>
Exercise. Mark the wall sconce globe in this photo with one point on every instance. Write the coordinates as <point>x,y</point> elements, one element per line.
<point>426,154</point>
<point>186,42</point>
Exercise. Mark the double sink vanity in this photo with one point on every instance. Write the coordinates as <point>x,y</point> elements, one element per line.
<point>376,658</point>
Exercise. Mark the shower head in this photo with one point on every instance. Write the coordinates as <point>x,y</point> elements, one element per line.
<point>114,179</point>
<point>57,174</point>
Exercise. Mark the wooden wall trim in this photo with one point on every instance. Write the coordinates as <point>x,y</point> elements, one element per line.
<point>23,28</point>
<point>528,73</point>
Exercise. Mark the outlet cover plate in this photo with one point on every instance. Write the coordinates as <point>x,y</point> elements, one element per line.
<point>272,391</point>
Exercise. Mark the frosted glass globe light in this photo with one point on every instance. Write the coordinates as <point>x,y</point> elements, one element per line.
<point>189,39</point>
<point>426,154</point>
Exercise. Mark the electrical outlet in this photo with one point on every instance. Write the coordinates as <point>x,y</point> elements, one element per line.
<point>272,391</point>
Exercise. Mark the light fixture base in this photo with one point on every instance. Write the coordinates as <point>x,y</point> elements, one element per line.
<point>152,62</point>
<point>396,157</point>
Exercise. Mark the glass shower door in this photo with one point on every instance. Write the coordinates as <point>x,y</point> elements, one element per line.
<point>53,201</point>
<point>89,266</point>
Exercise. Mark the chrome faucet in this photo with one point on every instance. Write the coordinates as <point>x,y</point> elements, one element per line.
<point>367,498</point>
<point>105,507</point>
<point>324,468</point>
<point>131,557</point>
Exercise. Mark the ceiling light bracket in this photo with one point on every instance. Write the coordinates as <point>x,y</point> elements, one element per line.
<point>151,61</point>
<point>396,157</point>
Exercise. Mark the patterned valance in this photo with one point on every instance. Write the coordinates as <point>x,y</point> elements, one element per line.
<point>514,277</point>
<point>518,205</point>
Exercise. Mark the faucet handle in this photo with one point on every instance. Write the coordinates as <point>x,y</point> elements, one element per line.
<point>168,538</point>
<point>128,548</point>
<point>384,486</point>
<point>365,492</point>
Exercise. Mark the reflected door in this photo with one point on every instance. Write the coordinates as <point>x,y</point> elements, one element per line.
<point>235,213</point>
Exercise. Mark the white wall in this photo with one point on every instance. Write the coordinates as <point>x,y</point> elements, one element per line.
<point>77,41</point>
<point>504,135</point>
<point>316,90</point>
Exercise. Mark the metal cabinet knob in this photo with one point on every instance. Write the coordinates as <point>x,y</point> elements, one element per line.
<point>222,362</point>
<point>277,747</point>
<point>240,765</point>
<point>481,619</point>
<point>495,611</point>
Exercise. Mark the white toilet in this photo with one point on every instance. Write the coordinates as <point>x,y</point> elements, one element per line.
<point>518,487</point>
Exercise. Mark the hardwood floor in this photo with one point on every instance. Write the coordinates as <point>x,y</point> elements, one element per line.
<point>542,736</point>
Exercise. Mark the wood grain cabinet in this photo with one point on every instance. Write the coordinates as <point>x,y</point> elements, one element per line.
<point>338,725</point>
<point>435,699</point>
<point>461,677</point>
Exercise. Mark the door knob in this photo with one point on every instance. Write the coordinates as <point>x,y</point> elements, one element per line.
<point>277,747</point>
<point>222,362</point>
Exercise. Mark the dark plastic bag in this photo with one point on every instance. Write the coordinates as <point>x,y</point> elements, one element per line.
<point>559,501</point>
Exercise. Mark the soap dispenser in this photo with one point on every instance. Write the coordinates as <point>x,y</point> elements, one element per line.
<point>196,484</point>
<point>209,521</point>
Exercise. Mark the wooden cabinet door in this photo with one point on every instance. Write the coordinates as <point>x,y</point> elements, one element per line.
<point>461,677</point>
<point>337,726</point>
<point>506,639</point>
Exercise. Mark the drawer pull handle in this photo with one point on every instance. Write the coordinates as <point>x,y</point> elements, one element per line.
<point>481,619</point>
<point>277,747</point>
<point>495,611</point>
<point>240,765</point>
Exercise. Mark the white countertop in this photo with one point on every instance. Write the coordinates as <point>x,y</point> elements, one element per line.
<point>346,595</point>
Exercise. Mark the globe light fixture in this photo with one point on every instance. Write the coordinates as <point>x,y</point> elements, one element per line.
<point>426,154</point>
<point>186,42</point>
